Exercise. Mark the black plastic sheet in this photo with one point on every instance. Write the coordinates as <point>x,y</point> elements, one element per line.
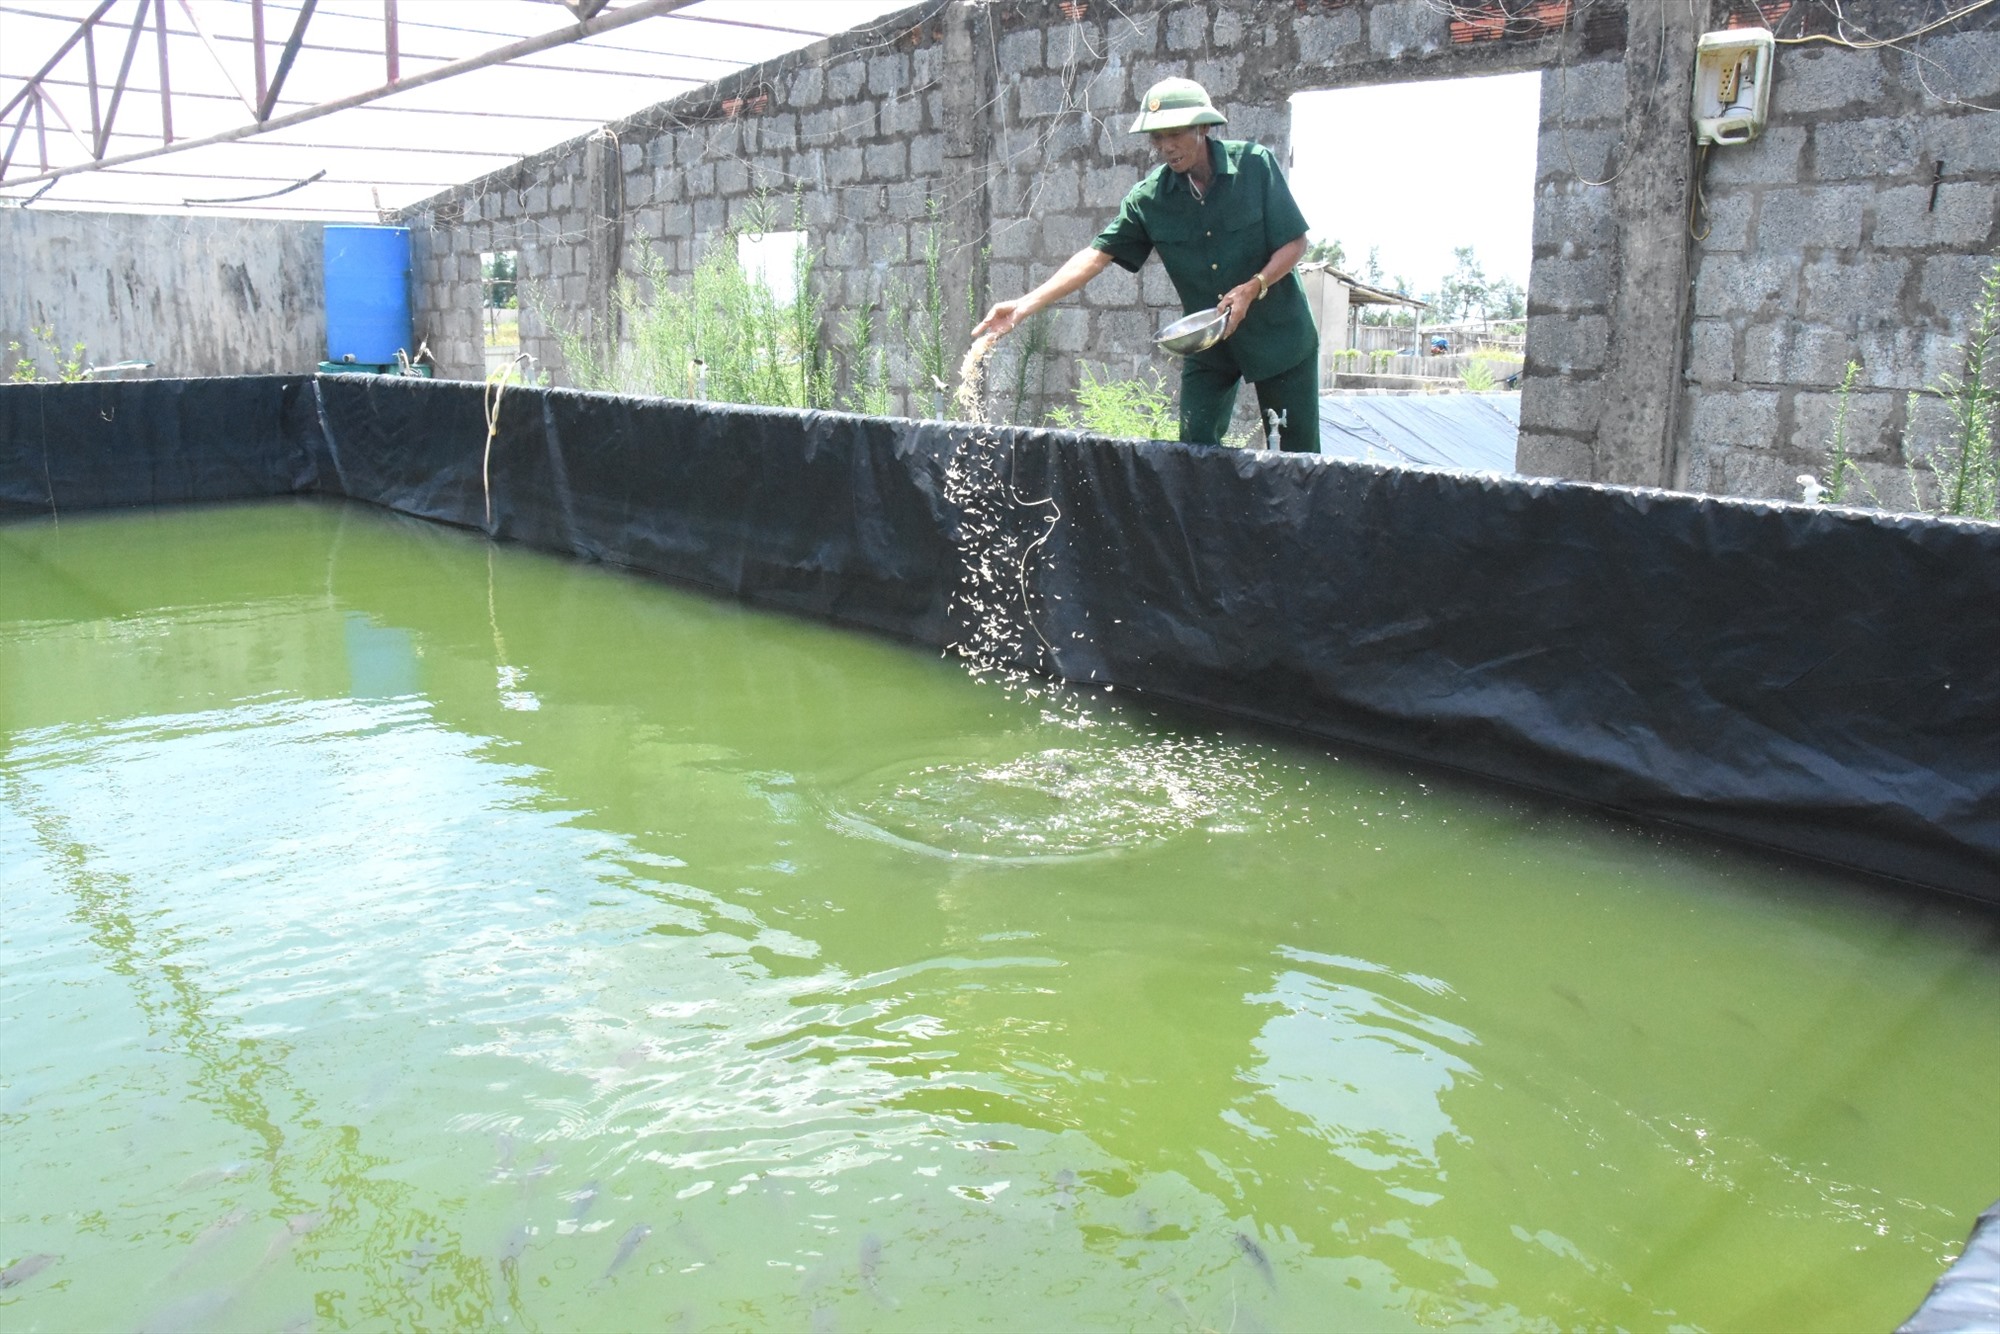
<point>1819,681</point>
<point>152,442</point>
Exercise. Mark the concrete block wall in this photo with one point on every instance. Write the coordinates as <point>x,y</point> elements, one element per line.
<point>1003,126</point>
<point>1000,126</point>
<point>194,296</point>
<point>1855,229</point>
<point>1575,248</point>
<point>857,139</point>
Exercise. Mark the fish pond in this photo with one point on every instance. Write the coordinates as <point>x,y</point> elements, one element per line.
<point>402,931</point>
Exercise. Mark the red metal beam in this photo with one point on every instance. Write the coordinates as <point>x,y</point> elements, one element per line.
<point>42,99</point>
<point>224,40</point>
<point>90,67</point>
<point>215,54</point>
<point>124,70</point>
<point>166,89</point>
<point>183,97</point>
<point>61,51</point>
<point>291,53</point>
<point>637,12</point>
<point>390,55</point>
<point>14,140</point>
<point>257,37</point>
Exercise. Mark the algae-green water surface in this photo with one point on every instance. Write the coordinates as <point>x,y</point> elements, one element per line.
<point>405,932</point>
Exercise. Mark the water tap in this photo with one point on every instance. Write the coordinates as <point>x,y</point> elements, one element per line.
<point>1275,422</point>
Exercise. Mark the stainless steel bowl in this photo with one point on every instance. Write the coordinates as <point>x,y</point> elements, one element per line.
<point>1192,333</point>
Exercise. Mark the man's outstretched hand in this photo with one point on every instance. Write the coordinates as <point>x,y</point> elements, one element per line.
<point>999,320</point>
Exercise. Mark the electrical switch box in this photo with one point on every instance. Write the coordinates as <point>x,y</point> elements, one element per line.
<point>1732,85</point>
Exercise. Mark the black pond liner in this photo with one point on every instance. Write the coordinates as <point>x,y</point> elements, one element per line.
<point>1824,682</point>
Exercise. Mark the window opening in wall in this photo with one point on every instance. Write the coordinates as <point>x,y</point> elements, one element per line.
<point>500,307</point>
<point>1419,192</point>
<point>773,257</point>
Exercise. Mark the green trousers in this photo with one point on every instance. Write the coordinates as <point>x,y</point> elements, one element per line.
<point>1208,400</point>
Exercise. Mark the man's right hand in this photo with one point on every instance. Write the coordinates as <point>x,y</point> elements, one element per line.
<point>1001,319</point>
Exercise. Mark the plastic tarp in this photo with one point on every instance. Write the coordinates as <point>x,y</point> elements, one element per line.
<point>1476,432</point>
<point>1967,1298</point>
<point>1818,681</point>
<point>153,442</point>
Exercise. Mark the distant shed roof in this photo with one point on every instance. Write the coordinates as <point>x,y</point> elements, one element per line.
<point>1360,293</point>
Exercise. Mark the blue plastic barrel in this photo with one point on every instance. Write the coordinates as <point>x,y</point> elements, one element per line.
<point>367,294</point>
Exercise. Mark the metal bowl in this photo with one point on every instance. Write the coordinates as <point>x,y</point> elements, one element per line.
<point>1193,333</point>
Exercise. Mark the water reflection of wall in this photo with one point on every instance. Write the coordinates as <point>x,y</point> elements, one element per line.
<point>95,624</point>
<point>381,659</point>
<point>148,664</point>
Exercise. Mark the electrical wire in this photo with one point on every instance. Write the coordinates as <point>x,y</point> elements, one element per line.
<point>270,194</point>
<point>1876,43</point>
<point>1698,198</point>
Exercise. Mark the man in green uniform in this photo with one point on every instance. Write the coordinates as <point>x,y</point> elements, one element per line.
<point>1228,231</point>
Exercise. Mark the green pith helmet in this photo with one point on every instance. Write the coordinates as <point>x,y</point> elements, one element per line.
<point>1174,104</point>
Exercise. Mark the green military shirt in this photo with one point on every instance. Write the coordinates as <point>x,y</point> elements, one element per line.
<point>1220,241</point>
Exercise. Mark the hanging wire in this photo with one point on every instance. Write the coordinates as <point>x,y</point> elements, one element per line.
<point>269,194</point>
<point>1876,43</point>
<point>1698,199</point>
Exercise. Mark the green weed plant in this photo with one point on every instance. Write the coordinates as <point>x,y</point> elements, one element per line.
<point>1034,353</point>
<point>69,366</point>
<point>1843,474</point>
<point>1967,470</point>
<point>721,335</point>
<point>1137,409</point>
<point>929,344</point>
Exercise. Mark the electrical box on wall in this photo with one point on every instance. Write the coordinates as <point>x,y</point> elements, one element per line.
<point>1732,85</point>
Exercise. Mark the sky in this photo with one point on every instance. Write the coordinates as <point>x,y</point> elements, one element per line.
<point>1415,169</point>
<point>1419,168</point>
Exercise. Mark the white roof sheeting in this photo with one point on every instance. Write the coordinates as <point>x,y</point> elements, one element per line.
<point>386,154</point>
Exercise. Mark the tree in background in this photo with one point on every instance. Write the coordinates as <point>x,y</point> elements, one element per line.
<point>1467,293</point>
<point>498,272</point>
<point>1463,291</point>
<point>1324,252</point>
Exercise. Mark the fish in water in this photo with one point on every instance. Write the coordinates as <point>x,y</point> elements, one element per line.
<point>196,1312</point>
<point>211,1234</point>
<point>1255,1255</point>
<point>1179,1303</point>
<point>869,1262</point>
<point>298,1225</point>
<point>1065,1189</point>
<point>24,1269</point>
<point>583,1200</point>
<point>418,1261</point>
<point>628,1244</point>
<point>215,1176</point>
<point>516,1243</point>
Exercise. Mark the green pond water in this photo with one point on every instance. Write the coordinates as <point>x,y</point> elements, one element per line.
<point>405,932</point>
